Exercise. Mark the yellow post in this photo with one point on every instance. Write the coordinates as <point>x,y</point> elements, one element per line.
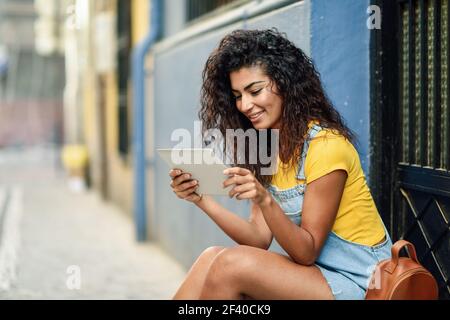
<point>75,160</point>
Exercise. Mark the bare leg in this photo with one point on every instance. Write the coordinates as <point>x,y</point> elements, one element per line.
<point>247,271</point>
<point>192,286</point>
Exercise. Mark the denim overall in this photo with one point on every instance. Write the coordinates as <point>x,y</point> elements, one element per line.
<point>347,266</point>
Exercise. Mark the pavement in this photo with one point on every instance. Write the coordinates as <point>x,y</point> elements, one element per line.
<point>56,244</point>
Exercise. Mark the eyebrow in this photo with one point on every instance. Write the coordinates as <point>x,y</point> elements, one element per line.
<point>247,87</point>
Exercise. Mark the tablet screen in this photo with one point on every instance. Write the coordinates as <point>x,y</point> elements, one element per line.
<point>202,164</point>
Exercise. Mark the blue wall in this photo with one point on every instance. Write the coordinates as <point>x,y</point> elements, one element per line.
<point>340,43</point>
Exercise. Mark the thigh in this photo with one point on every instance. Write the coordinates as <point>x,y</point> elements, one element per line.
<point>263,274</point>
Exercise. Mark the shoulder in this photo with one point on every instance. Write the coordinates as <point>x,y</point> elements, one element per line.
<point>328,151</point>
<point>330,139</point>
<point>330,142</point>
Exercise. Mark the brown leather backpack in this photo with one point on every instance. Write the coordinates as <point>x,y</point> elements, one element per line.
<point>402,278</point>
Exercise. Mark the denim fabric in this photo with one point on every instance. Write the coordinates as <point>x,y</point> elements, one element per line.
<point>347,266</point>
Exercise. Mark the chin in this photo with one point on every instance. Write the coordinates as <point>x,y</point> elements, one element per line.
<point>261,126</point>
<point>264,125</point>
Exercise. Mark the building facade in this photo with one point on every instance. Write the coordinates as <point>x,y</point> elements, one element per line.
<point>98,50</point>
<point>390,85</point>
<point>384,65</point>
<point>30,107</point>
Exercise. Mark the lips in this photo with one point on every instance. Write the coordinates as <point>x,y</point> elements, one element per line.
<point>255,116</point>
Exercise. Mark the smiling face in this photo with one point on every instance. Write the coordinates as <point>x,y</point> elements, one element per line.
<point>257,97</point>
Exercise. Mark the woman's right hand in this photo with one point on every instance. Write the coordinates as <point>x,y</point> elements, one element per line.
<point>183,186</point>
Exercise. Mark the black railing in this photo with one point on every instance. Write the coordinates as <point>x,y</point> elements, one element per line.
<point>424,90</point>
<point>410,171</point>
<point>423,167</point>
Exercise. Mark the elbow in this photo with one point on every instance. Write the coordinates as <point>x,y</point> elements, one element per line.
<point>258,243</point>
<point>310,262</point>
<point>266,244</point>
<point>311,258</point>
<point>305,260</point>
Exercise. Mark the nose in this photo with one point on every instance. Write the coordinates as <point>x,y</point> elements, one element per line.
<point>247,104</point>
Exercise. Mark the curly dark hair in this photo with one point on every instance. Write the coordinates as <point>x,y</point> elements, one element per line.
<point>297,81</point>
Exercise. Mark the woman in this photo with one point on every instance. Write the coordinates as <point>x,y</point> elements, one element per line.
<point>317,205</point>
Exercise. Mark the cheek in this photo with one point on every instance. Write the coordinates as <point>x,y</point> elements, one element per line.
<point>266,101</point>
<point>280,108</point>
<point>276,112</point>
<point>238,106</point>
<point>275,106</point>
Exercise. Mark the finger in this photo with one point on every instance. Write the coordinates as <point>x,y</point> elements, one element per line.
<point>188,192</point>
<point>186,185</point>
<point>175,173</point>
<point>193,197</point>
<point>238,180</point>
<point>246,195</point>
<point>180,179</point>
<point>236,170</point>
<point>242,189</point>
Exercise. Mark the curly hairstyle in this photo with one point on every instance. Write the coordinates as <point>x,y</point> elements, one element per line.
<point>297,81</point>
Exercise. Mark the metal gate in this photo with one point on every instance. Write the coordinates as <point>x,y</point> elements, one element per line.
<point>411,128</point>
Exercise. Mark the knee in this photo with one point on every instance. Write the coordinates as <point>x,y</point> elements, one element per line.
<point>211,252</point>
<point>215,250</point>
<point>228,258</point>
<point>229,264</point>
<point>208,255</point>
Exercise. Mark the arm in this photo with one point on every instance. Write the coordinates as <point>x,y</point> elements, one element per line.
<point>253,232</point>
<point>320,206</point>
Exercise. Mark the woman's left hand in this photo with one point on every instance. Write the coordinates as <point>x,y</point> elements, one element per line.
<point>247,186</point>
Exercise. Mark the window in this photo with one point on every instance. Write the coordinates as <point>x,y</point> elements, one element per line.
<point>123,65</point>
<point>199,8</point>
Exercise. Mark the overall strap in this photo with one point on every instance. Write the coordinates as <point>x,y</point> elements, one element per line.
<point>312,132</point>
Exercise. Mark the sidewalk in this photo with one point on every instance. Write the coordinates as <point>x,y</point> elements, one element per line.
<point>70,239</point>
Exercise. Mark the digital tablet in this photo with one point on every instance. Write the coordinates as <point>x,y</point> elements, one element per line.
<point>203,166</point>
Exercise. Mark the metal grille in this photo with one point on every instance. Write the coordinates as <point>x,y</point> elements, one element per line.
<point>199,8</point>
<point>424,170</point>
<point>424,113</point>
<point>425,221</point>
<point>445,141</point>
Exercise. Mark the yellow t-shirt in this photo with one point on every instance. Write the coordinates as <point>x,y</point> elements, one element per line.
<point>357,218</point>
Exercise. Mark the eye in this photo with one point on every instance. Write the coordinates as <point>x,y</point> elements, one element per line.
<point>255,93</point>
<point>237,97</point>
